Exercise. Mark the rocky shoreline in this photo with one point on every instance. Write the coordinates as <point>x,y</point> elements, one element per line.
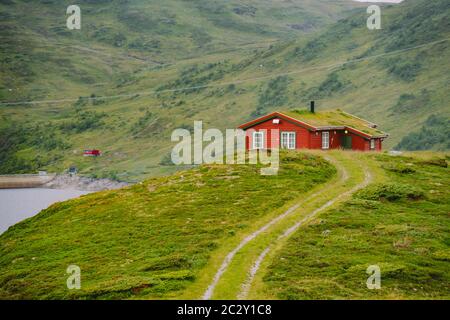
<point>81,183</point>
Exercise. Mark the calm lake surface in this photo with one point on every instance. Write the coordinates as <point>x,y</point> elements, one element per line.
<point>19,204</point>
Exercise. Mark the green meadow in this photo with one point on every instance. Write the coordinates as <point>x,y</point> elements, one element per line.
<point>165,238</point>
<point>399,223</point>
<point>151,240</point>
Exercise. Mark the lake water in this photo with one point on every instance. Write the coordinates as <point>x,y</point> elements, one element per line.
<point>19,204</point>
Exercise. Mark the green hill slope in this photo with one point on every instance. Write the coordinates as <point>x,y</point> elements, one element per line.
<point>435,133</point>
<point>166,237</point>
<point>400,225</point>
<point>152,239</point>
<point>41,58</point>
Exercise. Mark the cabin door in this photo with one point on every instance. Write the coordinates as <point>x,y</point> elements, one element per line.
<point>346,142</point>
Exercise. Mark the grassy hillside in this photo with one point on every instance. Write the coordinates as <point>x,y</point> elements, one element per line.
<point>42,59</point>
<point>397,89</point>
<point>400,224</point>
<point>163,238</point>
<point>153,239</point>
<point>435,133</point>
<point>126,47</point>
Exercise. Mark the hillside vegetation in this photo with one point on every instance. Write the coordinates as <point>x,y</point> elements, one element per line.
<point>150,240</point>
<point>126,47</point>
<point>185,77</point>
<point>42,59</point>
<point>400,224</point>
<point>162,238</point>
<point>435,133</point>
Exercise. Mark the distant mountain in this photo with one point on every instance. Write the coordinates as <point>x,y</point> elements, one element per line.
<point>395,76</point>
<point>39,53</point>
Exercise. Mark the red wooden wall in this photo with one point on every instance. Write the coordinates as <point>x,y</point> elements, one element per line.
<point>302,134</point>
<point>306,138</point>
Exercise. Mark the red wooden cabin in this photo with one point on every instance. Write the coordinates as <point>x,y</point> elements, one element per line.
<point>308,129</point>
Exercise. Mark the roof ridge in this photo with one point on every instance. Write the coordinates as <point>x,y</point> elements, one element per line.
<point>305,119</point>
<point>365,120</point>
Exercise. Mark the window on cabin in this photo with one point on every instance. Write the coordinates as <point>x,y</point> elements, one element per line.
<point>258,140</point>
<point>325,140</point>
<point>288,140</point>
<point>372,144</point>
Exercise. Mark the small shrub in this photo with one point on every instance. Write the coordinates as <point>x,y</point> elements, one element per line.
<point>275,94</point>
<point>83,121</point>
<point>408,103</point>
<point>406,71</point>
<point>405,68</point>
<point>443,255</point>
<point>169,262</point>
<point>331,85</point>
<point>436,162</point>
<point>390,192</point>
<point>166,160</point>
<point>311,49</point>
<point>398,167</point>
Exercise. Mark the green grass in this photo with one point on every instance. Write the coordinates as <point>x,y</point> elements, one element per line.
<point>166,237</point>
<point>350,173</point>
<point>149,46</point>
<point>400,223</point>
<point>151,240</point>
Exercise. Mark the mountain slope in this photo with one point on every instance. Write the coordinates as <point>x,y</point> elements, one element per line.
<point>40,56</point>
<point>122,47</point>
<point>435,133</point>
<point>395,77</point>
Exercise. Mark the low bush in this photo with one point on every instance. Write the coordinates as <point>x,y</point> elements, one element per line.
<point>83,121</point>
<point>398,167</point>
<point>390,192</point>
<point>434,134</point>
<point>440,162</point>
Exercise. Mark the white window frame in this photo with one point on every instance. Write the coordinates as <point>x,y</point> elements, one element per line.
<point>261,134</point>
<point>372,144</point>
<point>325,140</point>
<point>291,140</point>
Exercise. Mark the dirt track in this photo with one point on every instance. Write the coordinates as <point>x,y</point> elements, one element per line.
<point>246,285</point>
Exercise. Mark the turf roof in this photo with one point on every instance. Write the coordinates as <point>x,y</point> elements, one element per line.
<point>333,118</point>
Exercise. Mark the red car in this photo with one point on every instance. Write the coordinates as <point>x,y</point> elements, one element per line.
<point>92,153</point>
